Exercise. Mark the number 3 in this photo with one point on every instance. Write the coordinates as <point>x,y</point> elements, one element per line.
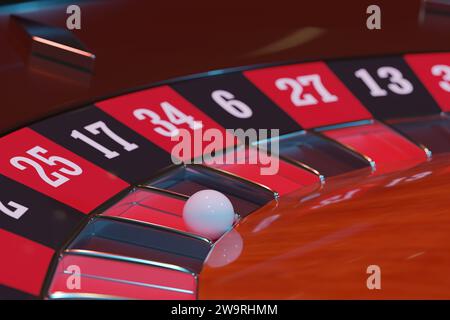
<point>442,71</point>
<point>17,213</point>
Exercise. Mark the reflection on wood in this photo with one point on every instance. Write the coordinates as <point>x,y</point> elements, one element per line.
<point>320,245</point>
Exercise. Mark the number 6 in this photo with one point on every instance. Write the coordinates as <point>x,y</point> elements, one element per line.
<point>231,105</point>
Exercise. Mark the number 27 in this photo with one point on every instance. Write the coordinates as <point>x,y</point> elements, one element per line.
<point>301,99</point>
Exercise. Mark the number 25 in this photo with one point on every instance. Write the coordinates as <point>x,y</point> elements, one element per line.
<point>37,153</point>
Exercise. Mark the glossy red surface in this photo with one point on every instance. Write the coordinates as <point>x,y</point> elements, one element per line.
<point>287,178</point>
<point>389,150</point>
<point>117,279</point>
<point>18,257</point>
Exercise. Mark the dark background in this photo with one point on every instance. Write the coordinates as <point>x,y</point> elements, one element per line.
<point>140,42</point>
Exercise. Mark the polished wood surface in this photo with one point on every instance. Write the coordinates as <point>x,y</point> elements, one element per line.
<point>318,244</point>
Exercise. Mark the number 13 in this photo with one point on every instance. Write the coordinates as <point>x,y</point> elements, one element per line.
<point>397,83</point>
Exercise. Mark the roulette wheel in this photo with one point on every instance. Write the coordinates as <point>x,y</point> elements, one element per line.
<point>322,146</point>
